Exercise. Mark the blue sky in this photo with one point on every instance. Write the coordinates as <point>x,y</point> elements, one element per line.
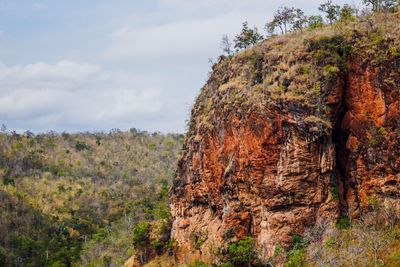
<point>93,65</point>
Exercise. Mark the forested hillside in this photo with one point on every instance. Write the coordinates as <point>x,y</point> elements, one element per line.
<point>74,199</point>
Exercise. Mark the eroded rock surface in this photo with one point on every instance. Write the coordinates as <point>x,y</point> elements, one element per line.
<point>273,149</point>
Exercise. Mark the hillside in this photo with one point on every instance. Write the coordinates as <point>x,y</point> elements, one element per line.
<point>292,152</point>
<point>74,199</point>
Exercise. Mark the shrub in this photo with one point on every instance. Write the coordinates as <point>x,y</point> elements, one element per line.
<point>315,22</point>
<point>241,252</point>
<point>382,131</point>
<point>343,223</point>
<point>198,238</point>
<point>375,202</point>
<point>80,146</point>
<point>296,258</point>
<point>394,51</point>
<point>335,193</point>
<point>140,234</point>
<point>331,71</point>
<point>198,263</point>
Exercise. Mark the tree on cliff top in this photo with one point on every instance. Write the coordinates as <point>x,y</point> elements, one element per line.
<point>247,37</point>
<point>332,11</point>
<point>380,5</point>
<point>285,19</point>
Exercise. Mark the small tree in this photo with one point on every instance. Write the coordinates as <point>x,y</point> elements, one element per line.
<point>380,5</point>
<point>284,19</point>
<point>346,13</point>
<point>3,128</point>
<point>242,252</point>
<point>315,22</point>
<point>300,20</point>
<point>140,234</point>
<point>332,11</point>
<point>247,37</point>
<point>226,45</point>
<point>271,26</point>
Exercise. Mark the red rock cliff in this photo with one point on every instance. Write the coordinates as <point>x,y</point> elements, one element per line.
<point>295,132</point>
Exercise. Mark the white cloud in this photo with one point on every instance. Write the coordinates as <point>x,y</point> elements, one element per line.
<point>177,41</point>
<point>38,6</point>
<point>49,95</point>
<point>151,59</point>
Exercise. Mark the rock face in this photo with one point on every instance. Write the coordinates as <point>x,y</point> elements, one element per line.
<point>284,137</point>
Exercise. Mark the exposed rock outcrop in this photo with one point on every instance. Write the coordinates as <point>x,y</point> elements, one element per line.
<point>298,131</point>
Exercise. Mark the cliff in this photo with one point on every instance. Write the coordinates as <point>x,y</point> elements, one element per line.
<point>297,131</point>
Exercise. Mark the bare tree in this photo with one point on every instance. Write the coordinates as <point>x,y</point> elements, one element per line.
<point>300,20</point>
<point>374,240</point>
<point>380,5</point>
<point>226,45</point>
<point>391,215</point>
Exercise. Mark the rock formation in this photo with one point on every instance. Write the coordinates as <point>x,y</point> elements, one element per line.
<point>293,133</point>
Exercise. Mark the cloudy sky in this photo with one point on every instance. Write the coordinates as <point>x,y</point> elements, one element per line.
<point>74,65</point>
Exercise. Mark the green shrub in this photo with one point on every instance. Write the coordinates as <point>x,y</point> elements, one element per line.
<point>152,146</point>
<point>8,181</point>
<point>343,223</point>
<point>241,252</point>
<point>394,51</point>
<point>227,264</point>
<point>331,72</point>
<point>315,22</point>
<point>382,131</point>
<point>375,202</point>
<point>335,193</point>
<point>140,234</point>
<point>330,242</point>
<point>198,263</point>
<point>296,258</point>
<point>80,146</point>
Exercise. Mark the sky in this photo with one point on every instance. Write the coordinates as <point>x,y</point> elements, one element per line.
<point>95,65</point>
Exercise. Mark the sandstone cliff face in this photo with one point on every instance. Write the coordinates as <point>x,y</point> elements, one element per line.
<point>296,132</point>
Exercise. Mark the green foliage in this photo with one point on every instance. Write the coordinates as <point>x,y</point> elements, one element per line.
<point>80,146</point>
<point>332,11</point>
<point>298,241</point>
<point>394,51</point>
<point>347,13</point>
<point>343,222</point>
<point>286,19</point>
<point>140,234</point>
<point>241,252</point>
<point>382,131</point>
<point>335,193</point>
<point>279,251</point>
<point>331,71</point>
<point>375,202</point>
<point>8,181</point>
<point>247,37</point>
<point>152,146</point>
<point>198,263</point>
<point>87,200</point>
<point>332,53</point>
<point>330,242</point>
<point>295,258</point>
<point>380,5</point>
<point>315,22</point>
